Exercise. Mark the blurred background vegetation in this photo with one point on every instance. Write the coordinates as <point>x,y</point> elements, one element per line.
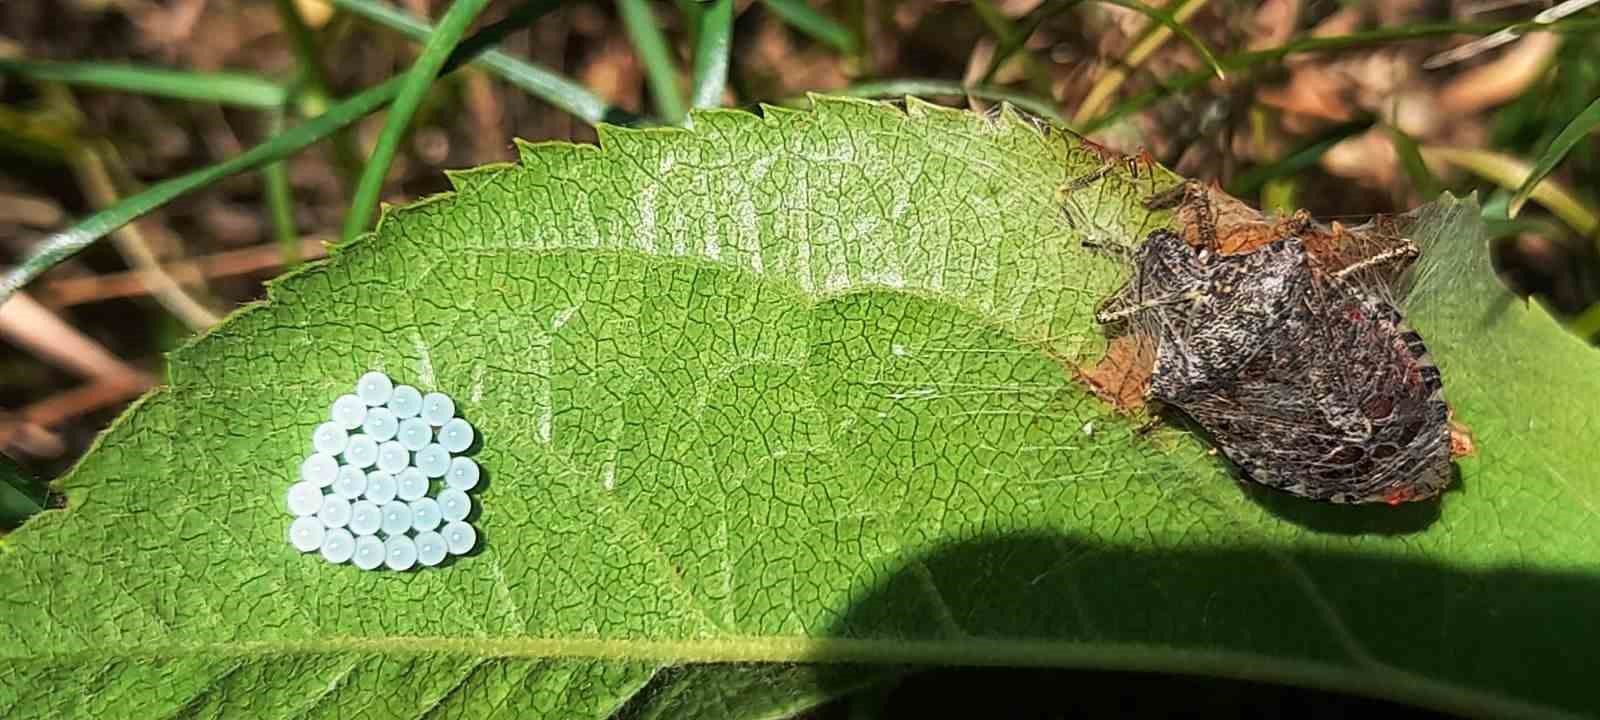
<point>245,135</point>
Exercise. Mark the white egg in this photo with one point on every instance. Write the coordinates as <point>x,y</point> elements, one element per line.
<point>338,545</point>
<point>374,388</point>
<point>405,402</point>
<point>399,553</point>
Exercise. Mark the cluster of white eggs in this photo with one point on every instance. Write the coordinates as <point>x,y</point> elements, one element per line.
<point>366,494</point>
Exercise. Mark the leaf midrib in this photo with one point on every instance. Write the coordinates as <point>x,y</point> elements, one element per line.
<point>1383,681</point>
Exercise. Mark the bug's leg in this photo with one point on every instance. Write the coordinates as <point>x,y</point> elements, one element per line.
<point>1121,253</point>
<point>1407,250</point>
<point>1111,312</point>
<point>1193,198</point>
<point>1168,199</point>
<point>1147,162</point>
<point>1134,165</point>
<point>1149,426</point>
<point>1082,181</point>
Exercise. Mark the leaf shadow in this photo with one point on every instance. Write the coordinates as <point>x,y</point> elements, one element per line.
<point>1369,519</point>
<point>1468,641</point>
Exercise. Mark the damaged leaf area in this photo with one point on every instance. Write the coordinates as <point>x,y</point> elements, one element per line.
<point>774,394</point>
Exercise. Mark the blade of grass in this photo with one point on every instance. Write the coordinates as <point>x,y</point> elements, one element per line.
<point>713,42</point>
<point>1482,45</point>
<point>21,496</point>
<point>1153,38</point>
<point>94,177</point>
<point>535,80</point>
<point>801,16</point>
<point>69,242</point>
<point>418,80</point>
<point>1009,36</point>
<point>651,46</point>
<point>1243,61</point>
<point>1422,179</point>
<point>1582,125</point>
<point>280,202</point>
<point>226,88</point>
<point>1305,156</point>
<point>928,87</point>
<point>1025,28</point>
<point>1587,324</point>
<point>1174,22</point>
<point>858,17</point>
<point>1509,172</point>
<point>315,78</point>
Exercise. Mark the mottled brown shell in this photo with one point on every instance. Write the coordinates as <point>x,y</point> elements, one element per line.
<point>1310,382</point>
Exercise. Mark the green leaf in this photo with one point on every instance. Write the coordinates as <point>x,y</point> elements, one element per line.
<point>1575,131</point>
<point>790,389</point>
<point>902,87</point>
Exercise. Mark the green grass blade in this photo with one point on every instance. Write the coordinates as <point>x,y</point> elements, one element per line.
<point>1575,131</point>
<point>20,495</point>
<point>714,42</point>
<point>1587,324</point>
<point>280,203</point>
<point>1152,38</point>
<point>537,81</point>
<point>346,157</point>
<point>929,88</point>
<point>1422,179</point>
<point>801,16</point>
<point>1171,22</point>
<point>1023,29</point>
<point>1510,172</point>
<point>1304,157</point>
<point>418,80</point>
<point>660,72</point>
<point>73,240</point>
<point>227,88</point>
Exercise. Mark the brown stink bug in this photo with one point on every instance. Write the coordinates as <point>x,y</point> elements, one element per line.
<point>1282,342</point>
